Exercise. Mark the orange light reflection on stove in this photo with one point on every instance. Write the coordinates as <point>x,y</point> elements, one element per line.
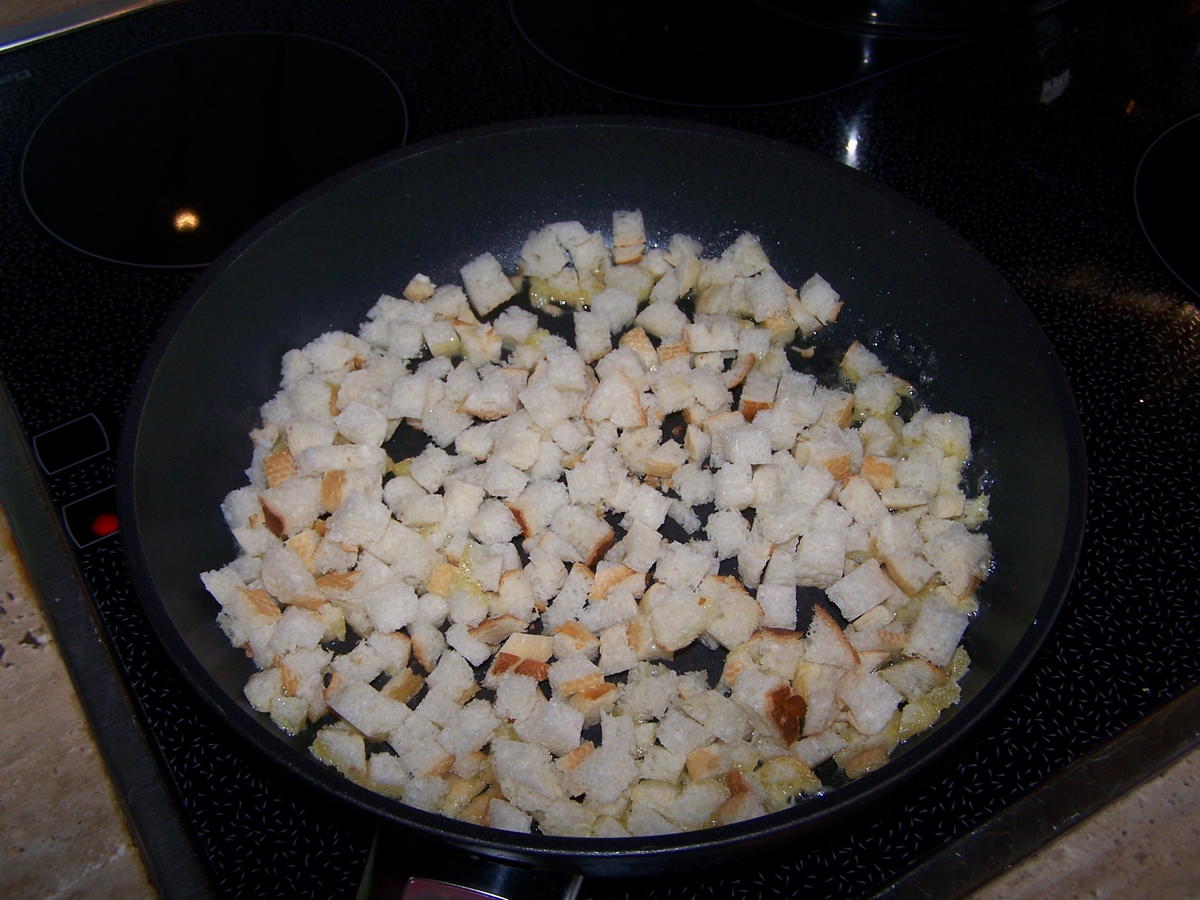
<point>186,220</point>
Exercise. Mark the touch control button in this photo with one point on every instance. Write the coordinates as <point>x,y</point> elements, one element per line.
<point>92,518</point>
<point>72,442</point>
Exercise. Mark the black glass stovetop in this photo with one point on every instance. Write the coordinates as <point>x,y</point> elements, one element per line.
<point>1025,139</point>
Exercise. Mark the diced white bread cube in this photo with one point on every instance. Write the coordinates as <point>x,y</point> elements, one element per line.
<point>747,255</point>
<point>820,299</point>
<point>629,236</point>
<point>555,725</point>
<point>694,484</point>
<point>536,505</point>
<point>816,748</point>
<point>858,362</point>
<point>566,817</point>
<point>820,557</point>
<point>411,555</point>
<point>431,467</point>
<point>683,566</point>
<point>676,615</point>
<point>290,506</point>
<point>419,288</point>
<point>291,714</point>
<point>485,283</point>
<point>415,743</point>
<point>740,807</point>
<point>870,701</point>
<point>738,614</point>
<point>517,696</point>
<point>285,577</point>
<point>616,653</point>
<point>859,497</point>
<point>592,335</point>
<point>770,703</point>
<point>475,651</point>
<point>420,510</point>
<point>341,748</point>
<point>426,793</point>
<point>503,815</point>
<point>662,319</point>
<point>441,338</point>
<point>590,482</point>
<point>262,688</point>
<point>480,343</point>
<point>778,604</point>
<point>729,531</point>
<point>649,506</point>
<point>751,561</point>
<point>571,598</point>
<point>878,394</point>
<point>409,394</point>
<point>334,350</point>
<point>767,294</point>
<point>696,804</point>
<point>616,399</point>
<point>734,486</point>
<point>586,532</point>
<point>646,822</point>
<point>362,663</point>
<point>616,307</point>
<point>640,548</point>
<point>387,775</point>
<point>936,632</point>
<point>542,256</point>
<point>913,677</point>
<point>746,444</point>
<point>470,729</point>
<point>826,643</point>
<point>575,639</point>
<point>861,590</point>
<point>574,674</point>
<point>428,644</point>
<point>514,325</point>
<point>362,424</point>
<point>495,396</point>
<point>660,764</point>
<point>707,334</point>
<point>817,684</point>
<point>298,629</point>
<point>392,607</point>
<point>493,523</point>
<point>961,557</point>
<point>501,479</point>
<point>366,709</point>
<point>909,572</point>
<point>723,718</point>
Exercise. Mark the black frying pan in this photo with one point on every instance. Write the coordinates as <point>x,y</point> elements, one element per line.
<point>935,310</point>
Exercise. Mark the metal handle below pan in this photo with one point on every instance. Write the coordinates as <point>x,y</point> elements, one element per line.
<point>460,876</point>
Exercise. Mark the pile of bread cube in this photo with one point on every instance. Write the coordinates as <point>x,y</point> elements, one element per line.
<point>496,627</point>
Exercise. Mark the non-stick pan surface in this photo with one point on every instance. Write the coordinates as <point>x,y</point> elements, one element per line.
<point>935,310</point>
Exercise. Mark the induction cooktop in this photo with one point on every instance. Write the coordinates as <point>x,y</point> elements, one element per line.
<point>123,178</point>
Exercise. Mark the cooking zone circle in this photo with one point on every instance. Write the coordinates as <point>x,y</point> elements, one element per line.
<point>191,143</point>
<point>679,51</point>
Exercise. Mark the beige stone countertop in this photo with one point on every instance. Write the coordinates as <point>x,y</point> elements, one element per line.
<point>62,829</point>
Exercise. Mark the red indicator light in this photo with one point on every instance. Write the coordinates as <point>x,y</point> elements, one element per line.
<point>105,524</point>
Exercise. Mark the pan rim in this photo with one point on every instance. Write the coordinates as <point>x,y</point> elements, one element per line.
<point>588,853</point>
